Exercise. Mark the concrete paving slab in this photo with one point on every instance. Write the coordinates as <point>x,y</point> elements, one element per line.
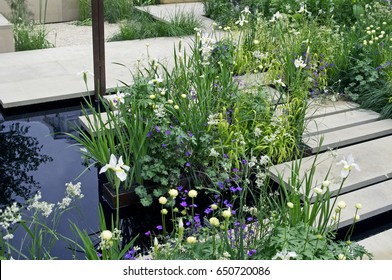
<point>318,108</point>
<point>348,136</point>
<point>373,158</point>
<point>169,11</point>
<point>91,124</point>
<point>332,122</point>
<point>40,76</point>
<point>375,199</point>
<point>380,245</point>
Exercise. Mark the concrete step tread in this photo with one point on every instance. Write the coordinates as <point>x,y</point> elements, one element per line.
<point>318,108</point>
<point>380,245</point>
<point>373,158</point>
<point>349,136</point>
<point>338,121</point>
<point>375,199</point>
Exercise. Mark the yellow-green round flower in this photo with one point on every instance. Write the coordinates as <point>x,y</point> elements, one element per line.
<point>106,235</point>
<point>176,107</point>
<point>342,204</point>
<point>214,222</point>
<point>290,205</point>
<point>183,95</point>
<point>227,213</point>
<point>152,96</point>
<point>256,42</point>
<point>357,218</point>
<point>341,257</point>
<point>191,240</point>
<point>326,184</point>
<point>358,206</point>
<point>214,206</point>
<point>192,193</point>
<point>164,211</point>
<point>173,192</point>
<point>170,101</point>
<point>162,200</point>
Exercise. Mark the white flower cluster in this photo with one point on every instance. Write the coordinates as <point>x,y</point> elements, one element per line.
<point>72,191</point>
<point>8,217</point>
<point>213,119</point>
<point>41,206</point>
<point>159,111</point>
<point>213,153</point>
<point>244,17</point>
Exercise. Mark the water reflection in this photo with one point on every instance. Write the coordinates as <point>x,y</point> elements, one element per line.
<point>19,154</point>
<point>35,154</point>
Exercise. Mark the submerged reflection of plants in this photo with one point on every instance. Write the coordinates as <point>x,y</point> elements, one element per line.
<point>20,155</point>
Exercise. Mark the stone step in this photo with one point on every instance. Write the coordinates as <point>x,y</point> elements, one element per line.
<point>373,158</point>
<point>380,245</point>
<point>349,136</point>
<point>338,121</point>
<point>91,124</point>
<point>375,199</point>
<point>317,108</point>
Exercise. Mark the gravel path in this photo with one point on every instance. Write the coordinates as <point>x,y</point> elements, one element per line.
<point>69,34</point>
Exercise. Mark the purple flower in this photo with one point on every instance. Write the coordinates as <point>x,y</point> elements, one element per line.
<point>188,153</point>
<point>187,164</point>
<point>130,255</point>
<point>227,204</point>
<point>249,219</point>
<point>208,210</point>
<point>149,134</point>
<point>99,254</point>
<point>157,129</point>
<point>180,188</point>
<point>184,204</point>
<point>221,185</point>
<point>167,132</point>
<point>164,145</point>
<point>235,169</point>
<point>190,134</point>
<point>251,252</point>
<point>225,156</point>
<point>148,233</point>
<point>159,227</point>
<point>244,161</point>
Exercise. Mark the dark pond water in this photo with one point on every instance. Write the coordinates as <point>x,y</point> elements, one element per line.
<point>36,155</point>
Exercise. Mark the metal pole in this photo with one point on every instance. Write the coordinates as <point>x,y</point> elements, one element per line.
<point>98,48</point>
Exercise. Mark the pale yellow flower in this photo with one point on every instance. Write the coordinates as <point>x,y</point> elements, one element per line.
<point>173,192</point>
<point>342,204</point>
<point>192,193</point>
<point>214,222</point>
<point>106,235</point>
<point>227,213</point>
<point>214,206</point>
<point>162,200</point>
<point>191,240</point>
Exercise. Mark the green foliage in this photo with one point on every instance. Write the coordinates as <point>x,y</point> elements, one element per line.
<point>134,27</point>
<point>30,36</point>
